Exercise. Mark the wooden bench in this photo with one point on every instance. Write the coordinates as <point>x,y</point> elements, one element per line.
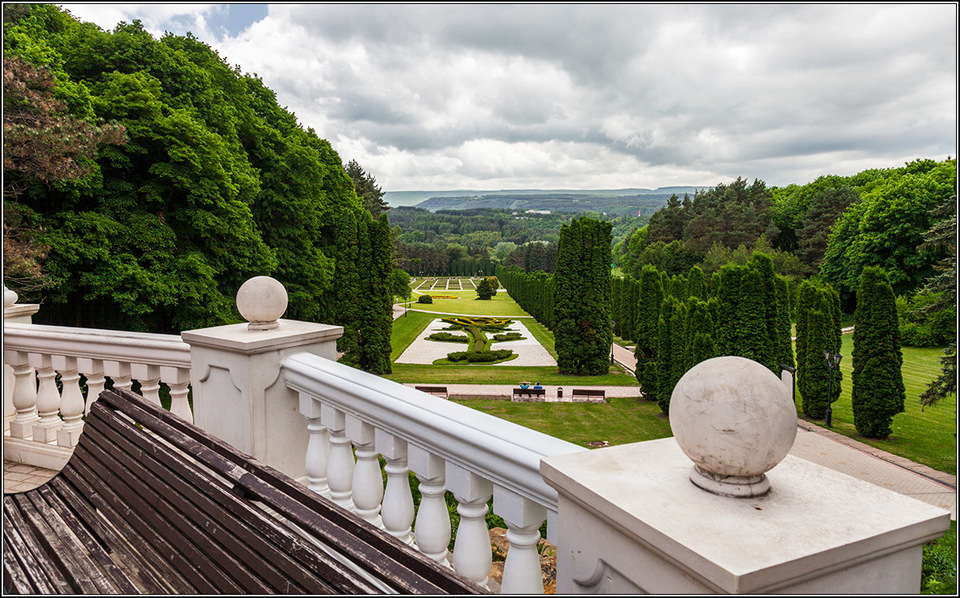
<point>588,395</point>
<point>529,394</point>
<point>150,504</point>
<point>439,391</point>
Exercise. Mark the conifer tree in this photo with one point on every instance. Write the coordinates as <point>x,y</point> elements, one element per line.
<point>347,288</point>
<point>878,390</point>
<point>818,330</point>
<point>582,298</point>
<point>650,295</point>
<point>696,285</point>
<point>670,359</point>
<point>698,339</point>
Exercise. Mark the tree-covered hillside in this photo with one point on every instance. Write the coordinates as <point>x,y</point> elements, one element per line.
<point>215,182</point>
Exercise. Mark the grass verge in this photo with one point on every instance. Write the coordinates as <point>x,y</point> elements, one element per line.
<point>926,436</point>
<point>618,421</point>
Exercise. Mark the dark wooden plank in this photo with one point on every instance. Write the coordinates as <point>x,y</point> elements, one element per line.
<point>180,502</point>
<point>35,578</point>
<point>137,530</point>
<point>126,489</point>
<point>287,551</point>
<point>15,579</point>
<point>35,559</point>
<point>67,546</point>
<point>155,574</point>
<point>377,552</point>
<point>117,580</point>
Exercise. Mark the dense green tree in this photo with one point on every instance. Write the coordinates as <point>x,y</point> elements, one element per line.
<point>485,289</point>
<point>878,390</point>
<point>818,330</point>
<point>887,227</point>
<point>670,349</point>
<point>216,183</point>
<point>698,336</point>
<point>376,302</point>
<point>366,187</point>
<point>696,284</point>
<point>348,288</point>
<point>650,296</point>
<point>582,304</point>
<point>943,286</point>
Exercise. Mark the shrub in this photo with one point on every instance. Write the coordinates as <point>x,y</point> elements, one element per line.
<point>424,299</point>
<point>447,337</point>
<point>480,356</point>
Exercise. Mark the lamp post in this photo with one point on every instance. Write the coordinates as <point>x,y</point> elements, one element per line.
<point>833,362</point>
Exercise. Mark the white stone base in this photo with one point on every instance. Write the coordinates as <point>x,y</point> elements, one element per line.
<point>630,520</point>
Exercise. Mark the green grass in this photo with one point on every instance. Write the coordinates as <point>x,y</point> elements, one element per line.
<point>926,436</point>
<point>618,421</point>
<point>493,374</point>
<point>499,305</point>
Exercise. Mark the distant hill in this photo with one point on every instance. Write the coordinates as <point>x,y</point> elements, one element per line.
<point>610,201</point>
<point>623,200</point>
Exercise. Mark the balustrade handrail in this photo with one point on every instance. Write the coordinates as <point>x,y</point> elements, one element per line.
<point>107,345</point>
<point>503,452</point>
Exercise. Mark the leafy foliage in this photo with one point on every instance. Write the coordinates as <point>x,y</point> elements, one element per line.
<point>216,183</point>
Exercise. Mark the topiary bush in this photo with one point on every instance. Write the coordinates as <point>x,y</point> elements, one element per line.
<point>480,356</point>
<point>424,299</point>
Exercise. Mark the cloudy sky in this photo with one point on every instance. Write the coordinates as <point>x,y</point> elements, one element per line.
<point>594,96</point>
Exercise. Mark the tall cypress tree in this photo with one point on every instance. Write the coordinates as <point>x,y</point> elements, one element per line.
<point>878,391</point>
<point>347,288</point>
<point>818,330</point>
<point>650,296</point>
<point>582,298</point>
<point>698,339</point>
<point>696,285</point>
<point>783,343</point>
<point>665,353</point>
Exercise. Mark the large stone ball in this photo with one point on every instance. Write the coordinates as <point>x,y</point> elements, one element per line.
<point>733,417</point>
<point>261,301</point>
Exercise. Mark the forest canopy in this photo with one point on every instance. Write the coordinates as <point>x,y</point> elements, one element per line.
<point>214,183</point>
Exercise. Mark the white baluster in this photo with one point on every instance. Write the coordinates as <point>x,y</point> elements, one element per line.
<point>95,383</point>
<point>48,401</point>
<point>341,465</point>
<point>367,479</point>
<point>521,571</point>
<point>119,372</point>
<point>178,379</point>
<point>318,446</point>
<point>24,395</point>
<point>433,519</point>
<point>472,555</point>
<point>397,510</point>
<point>149,377</point>
<point>71,404</point>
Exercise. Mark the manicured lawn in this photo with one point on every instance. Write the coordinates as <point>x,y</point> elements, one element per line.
<point>467,304</point>
<point>502,374</point>
<point>619,421</point>
<point>926,436</point>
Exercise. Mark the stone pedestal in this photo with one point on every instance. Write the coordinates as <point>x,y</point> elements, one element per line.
<point>238,394</point>
<point>630,520</point>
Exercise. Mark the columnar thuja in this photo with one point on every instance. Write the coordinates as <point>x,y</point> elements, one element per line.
<point>878,390</point>
<point>818,330</point>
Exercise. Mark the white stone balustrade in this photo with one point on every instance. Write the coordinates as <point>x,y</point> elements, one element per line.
<point>448,446</point>
<point>48,420</point>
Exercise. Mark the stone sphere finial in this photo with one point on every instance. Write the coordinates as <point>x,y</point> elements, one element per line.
<point>735,419</point>
<point>262,300</point>
<point>9,297</point>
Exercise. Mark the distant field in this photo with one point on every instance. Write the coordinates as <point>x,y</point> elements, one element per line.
<point>927,436</point>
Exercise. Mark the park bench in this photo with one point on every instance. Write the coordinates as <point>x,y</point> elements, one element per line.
<point>586,395</point>
<point>439,391</point>
<point>150,504</point>
<point>529,394</point>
